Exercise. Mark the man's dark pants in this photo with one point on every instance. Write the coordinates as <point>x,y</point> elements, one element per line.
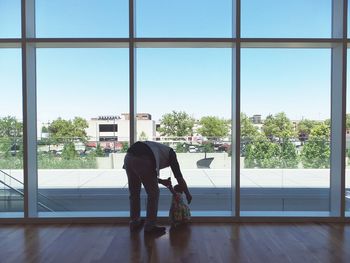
<point>140,169</point>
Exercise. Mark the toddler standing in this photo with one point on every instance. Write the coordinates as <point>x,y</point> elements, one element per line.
<point>179,212</point>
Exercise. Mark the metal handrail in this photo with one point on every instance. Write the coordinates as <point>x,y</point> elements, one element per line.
<point>23,193</point>
<point>11,177</point>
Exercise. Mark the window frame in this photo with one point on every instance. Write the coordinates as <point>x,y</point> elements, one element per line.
<point>339,43</point>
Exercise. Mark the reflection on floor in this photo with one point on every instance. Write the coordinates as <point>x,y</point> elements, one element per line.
<point>215,242</point>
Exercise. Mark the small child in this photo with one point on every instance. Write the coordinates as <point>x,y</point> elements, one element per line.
<point>179,212</point>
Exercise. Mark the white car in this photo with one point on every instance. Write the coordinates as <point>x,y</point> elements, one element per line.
<point>192,149</point>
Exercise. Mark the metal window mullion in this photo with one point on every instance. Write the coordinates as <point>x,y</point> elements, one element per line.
<point>236,108</point>
<point>338,111</point>
<point>132,73</point>
<point>29,110</point>
<point>344,101</point>
<point>343,135</point>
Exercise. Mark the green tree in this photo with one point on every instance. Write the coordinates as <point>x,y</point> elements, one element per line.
<point>213,127</point>
<point>63,131</point>
<point>181,147</point>
<point>44,129</point>
<point>5,146</point>
<point>304,129</point>
<point>125,147</point>
<point>316,151</point>
<point>207,147</point>
<point>248,133</point>
<point>262,153</point>
<point>328,122</point>
<point>10,127</point>
<point>288,155</point>
<point>10,137</point>
<point>143,136</point>
<point>79,126</point>
<point>278,126</point>
<point>176,124</point>
<point>68,152</point>
<point>348,121</point>
<point>99,152</point>
<point>248,130</point>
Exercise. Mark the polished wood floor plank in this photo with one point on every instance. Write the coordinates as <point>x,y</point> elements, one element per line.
<point>237,242</point>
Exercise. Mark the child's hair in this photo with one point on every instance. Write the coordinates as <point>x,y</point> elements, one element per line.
<point>178,188</point>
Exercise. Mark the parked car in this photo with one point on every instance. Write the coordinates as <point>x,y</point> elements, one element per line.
<point>192,149</point>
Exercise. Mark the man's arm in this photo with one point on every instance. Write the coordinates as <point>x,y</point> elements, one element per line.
<point>175,167</point>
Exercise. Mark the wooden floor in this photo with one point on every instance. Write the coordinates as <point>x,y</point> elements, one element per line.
<point>238,242</point>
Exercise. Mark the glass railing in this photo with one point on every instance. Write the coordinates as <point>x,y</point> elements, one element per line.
<point>83,175</point>
<point>102,186</point>
<point>285,174</point>
<point>11,171</point>
<point>276,175</point>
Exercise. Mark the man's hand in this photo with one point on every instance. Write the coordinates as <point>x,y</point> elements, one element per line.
<point>183,184</point>
<point>166,182</point>
<point>189,198</point>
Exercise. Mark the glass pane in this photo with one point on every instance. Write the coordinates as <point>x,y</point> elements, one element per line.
<point>285,131</point>
<point>11,132</point>
<point>186,94</point>
<point>81,18</point>
<point>183,18</point>
<point>276,18</point>
<point>10,18</point>
<point>83,131</point>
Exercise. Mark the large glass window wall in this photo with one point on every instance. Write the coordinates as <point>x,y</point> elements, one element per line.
<point>182,18</point>
<point>79,161</point>
<point>259,82</point>
<point>80,18</point>
<point>10,18</point>
<point>187,93</point>
<point>286,19</point>
<point>285,131</point>
<point>11,133</point>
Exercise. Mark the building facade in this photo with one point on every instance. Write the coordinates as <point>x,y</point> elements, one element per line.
<point>111,131</point>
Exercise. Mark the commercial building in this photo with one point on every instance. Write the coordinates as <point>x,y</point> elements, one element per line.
<point>112,131</point>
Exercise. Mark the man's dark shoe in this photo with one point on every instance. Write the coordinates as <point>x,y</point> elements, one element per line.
<point>155,230</point>
<point>136,225</point>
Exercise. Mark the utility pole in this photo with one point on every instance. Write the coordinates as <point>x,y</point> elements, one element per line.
<point>114,134</point>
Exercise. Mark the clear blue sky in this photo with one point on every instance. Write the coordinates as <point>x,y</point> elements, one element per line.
<point>93,82</point>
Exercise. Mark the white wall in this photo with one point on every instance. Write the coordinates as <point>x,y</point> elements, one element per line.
<point>147,126</point>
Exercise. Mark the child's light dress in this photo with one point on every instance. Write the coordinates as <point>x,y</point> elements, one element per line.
<point>179,211</point>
